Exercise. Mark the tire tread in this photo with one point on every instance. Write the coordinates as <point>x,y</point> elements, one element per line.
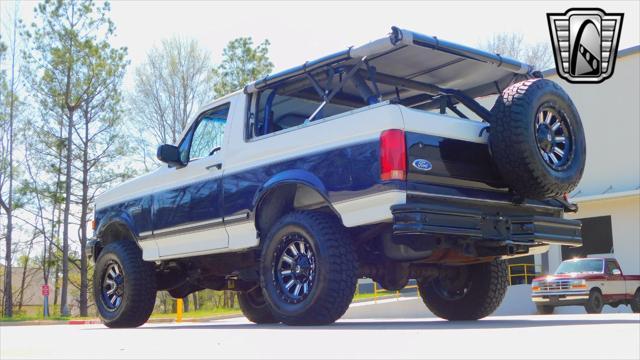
<point>140,289</point>
<point>340,262</point>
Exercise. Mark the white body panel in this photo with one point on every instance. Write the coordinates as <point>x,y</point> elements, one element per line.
<point>369,209</point>
<point>348,128</point>
<point>444,126</point>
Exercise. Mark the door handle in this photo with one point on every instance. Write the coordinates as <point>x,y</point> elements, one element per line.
<point>217,166</point>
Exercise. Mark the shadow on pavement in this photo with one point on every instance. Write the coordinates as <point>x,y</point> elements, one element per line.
<point>401,325</point>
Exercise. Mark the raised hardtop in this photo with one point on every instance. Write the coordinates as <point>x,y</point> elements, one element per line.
<point>435,63</point>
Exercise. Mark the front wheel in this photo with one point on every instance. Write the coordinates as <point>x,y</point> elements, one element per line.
<point>466,292</point>
<point>124,285</point>
<point>308,269</point>
<point>595,303</point>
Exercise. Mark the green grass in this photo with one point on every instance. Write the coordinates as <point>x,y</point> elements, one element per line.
<point>22,317</point>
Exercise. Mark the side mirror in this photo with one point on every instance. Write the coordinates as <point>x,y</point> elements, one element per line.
<point>169,154</point>
<point>616,272</point>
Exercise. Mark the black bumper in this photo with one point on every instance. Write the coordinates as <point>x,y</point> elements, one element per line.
<point>515,226</point>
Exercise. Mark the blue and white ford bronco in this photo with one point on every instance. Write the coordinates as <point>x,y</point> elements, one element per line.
<point>377,161</point>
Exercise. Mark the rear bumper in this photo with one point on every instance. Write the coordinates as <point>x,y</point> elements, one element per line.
<point>476,223</point>
<point>560,298</point>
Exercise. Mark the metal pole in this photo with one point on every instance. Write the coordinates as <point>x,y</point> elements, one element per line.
<point>45,310</point>
<point>179,309</point>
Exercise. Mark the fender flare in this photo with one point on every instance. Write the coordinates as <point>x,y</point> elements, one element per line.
<point>295,176</point>
<point>116,217</point>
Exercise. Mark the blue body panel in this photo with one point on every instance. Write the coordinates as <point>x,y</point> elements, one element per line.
<point>195,202</point>
<point>337,174</point>
<point>135,214</point>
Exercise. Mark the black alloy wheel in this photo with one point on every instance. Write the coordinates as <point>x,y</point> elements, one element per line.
<point>112,286</point>
<point>553,136</point>
<point>295,268</point>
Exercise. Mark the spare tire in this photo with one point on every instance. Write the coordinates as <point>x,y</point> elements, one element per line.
<point>537,140</point>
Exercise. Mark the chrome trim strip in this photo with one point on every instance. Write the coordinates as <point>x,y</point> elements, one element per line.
<point>145,235</point>
<point>559,293</point>
<point>567,298</point>
<point>243,216</point>
<point>190,227</point>
<point>418,193</point>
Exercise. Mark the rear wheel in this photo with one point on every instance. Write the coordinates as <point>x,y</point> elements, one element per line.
<point>595,303</point>
<point>466,292</point>
<point>254,307</point>
<point>545,309</point>
<point>124,286</point>
<point>309,269</point>
<point>635,302</point>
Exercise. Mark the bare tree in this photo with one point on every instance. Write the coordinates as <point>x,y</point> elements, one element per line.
<point>64,40</point>
<point>42,187</point>
<point>169,87</point>
<point>539,55</point>
<point>25,261</point>
<point>9,101</point>
<point>99,144</point>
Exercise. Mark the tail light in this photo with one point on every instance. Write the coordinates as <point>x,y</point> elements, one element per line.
<point>393,155</point>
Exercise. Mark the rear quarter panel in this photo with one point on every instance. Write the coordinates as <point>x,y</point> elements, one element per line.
<point>342,151</point>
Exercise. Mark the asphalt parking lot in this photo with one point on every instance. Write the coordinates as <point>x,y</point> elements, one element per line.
<point>566,336</point>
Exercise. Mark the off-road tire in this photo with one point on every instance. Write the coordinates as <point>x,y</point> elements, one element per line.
<point>255,308</point>
<point>487,287</point>
<point>513,143</point>
<point>139,285</point>
<point>545,309</point>
<point>595,303</point>
<point>635,302</point>
<point>336,275</point>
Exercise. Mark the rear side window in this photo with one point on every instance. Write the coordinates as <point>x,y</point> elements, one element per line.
<point>293,104</point>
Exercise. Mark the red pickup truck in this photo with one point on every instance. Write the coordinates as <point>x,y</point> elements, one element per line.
<point>589,282</point>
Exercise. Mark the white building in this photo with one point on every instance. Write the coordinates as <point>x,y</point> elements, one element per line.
<point>609,193</point>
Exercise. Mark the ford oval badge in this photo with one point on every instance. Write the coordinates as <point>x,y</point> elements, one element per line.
<point>422,164</point>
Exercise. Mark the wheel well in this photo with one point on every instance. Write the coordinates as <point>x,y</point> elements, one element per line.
<point>286,198</point>
<point>596,289</point>
<point>113,232</point>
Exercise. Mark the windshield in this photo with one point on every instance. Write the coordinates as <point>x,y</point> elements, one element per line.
<point>580,266</point>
